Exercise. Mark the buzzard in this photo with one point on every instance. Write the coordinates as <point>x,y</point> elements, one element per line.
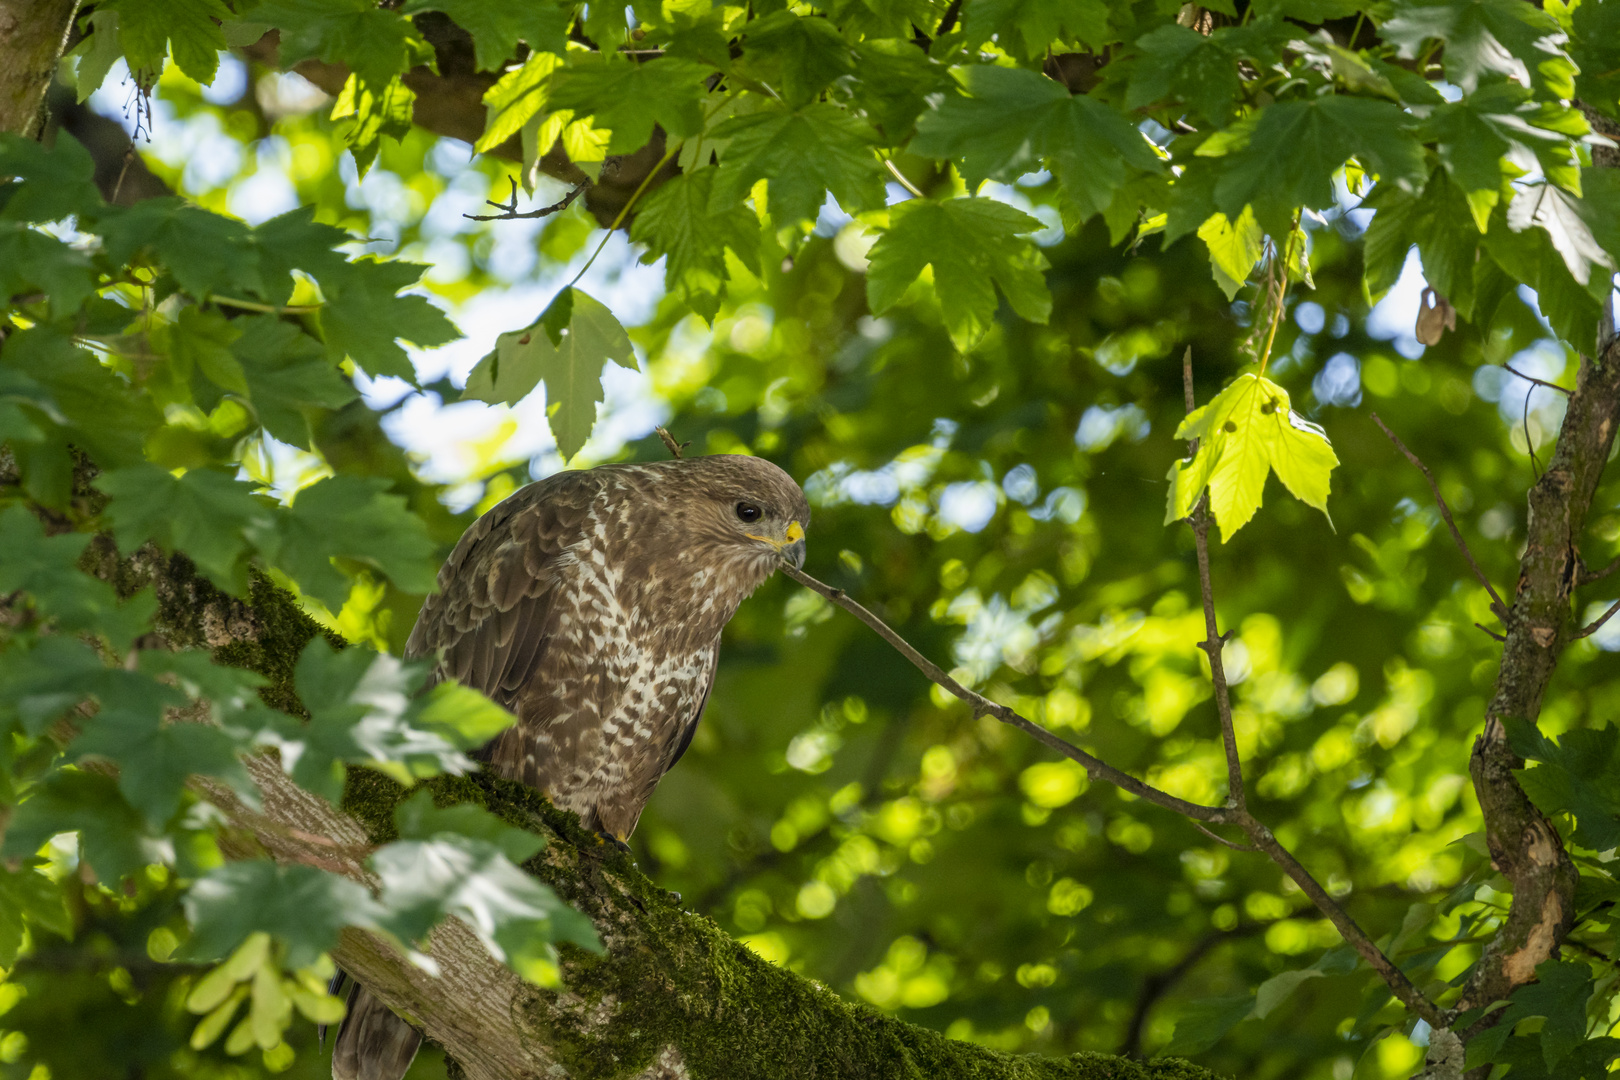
<point>590,604</point>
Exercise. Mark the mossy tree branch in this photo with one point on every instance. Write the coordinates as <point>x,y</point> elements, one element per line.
<point>672,996</point>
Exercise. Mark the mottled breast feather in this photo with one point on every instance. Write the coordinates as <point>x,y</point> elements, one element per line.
<point>590,604</point>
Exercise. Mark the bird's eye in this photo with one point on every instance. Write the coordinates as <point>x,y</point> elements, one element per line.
<point>747,511</point>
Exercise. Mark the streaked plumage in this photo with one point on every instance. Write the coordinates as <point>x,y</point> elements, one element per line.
<point>590,604</point>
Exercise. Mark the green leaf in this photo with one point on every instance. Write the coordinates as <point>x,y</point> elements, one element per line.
<point>1202,1024</point>
<point>373,42</point>
<point>155,759</point>
<point>461,861</point>
<point>1483,37</point>
<point>631,97</point>
<point>46,567</point>
<point>897,79</point>
<point>571,368</point>
<point>113,839</point>
<point>201,340</point>
<point>290,378</point>
<point>1561,216</point>
<point>354,518</point>
<point>1441,223</point>
<point>1579,775</point>
<point>27,896</point>
<point>1559,994</point>
<point>675,223</point>
<point>516,97</point>
<point>206,252</point>
<point>464,717</point>
<point>1278,989</point>
<point>1595,48</point>
<point>363,319</point>
<point>46,184</point>
<point>1027,28</point>
<point>1014,120</point>
<point>31,260</point>
<point>205,513</point>
<point>295,240</point>
<point>1286,157</point>
<point>1247,431</point>
<point>803,153</point>
<point>1529,257</point>
<point>970,243</point>
<point>497,27</point>
<point>302,907</point>
<point>96,53</point>
<point>1234,249</point>
<point>41,683</point>
<point>148,29</point>
<point>797,55</point>
<point>1177,62</point>
<point>378,110</point>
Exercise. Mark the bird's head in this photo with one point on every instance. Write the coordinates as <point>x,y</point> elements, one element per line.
<point>755,508</point>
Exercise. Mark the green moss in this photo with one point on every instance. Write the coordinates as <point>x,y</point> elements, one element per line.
<point>675,978</point>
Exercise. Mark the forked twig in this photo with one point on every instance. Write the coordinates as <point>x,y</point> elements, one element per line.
<point>1497,606</point>
<point>509,210</point>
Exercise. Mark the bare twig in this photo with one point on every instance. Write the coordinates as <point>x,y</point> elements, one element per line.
<point>1493,633</point>
<point>1598,625</point>
<point>1538,382</point>
<point>1403,988</point>
<point>1445,511</point>
<point>509,210</point>
<point>1098,769</point>
<point>1214,640</point>
<point>674,447</point>
<point>1095,768</point>
<point>1219,839</point>
<point>1586,577</point>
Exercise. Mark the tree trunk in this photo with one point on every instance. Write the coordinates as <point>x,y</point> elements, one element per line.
<point>32,36</point>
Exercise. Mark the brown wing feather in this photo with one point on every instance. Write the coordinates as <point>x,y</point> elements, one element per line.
<point>491,618</point>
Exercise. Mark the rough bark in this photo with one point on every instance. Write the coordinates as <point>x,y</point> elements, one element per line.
<point>32,35</point>
<point>672,996</point>
<point>1524,845</point>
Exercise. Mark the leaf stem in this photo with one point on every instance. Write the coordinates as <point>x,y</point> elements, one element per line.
<point>900,176</point>
<point>268,309</point>
<point>1282,293</point>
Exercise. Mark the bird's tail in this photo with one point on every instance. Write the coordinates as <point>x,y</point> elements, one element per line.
<point>372,1043</point>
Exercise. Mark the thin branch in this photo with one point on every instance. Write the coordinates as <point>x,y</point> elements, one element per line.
<point>900,176</point>
<point>1155,986</point>
<point>1403,988</point>
<point>1595,627</point>
<point>1098,769</point>
<point>1493,633</point>
<point>1539,382</point>
<point>1214,640</point>
<point>1095,768</point>
<point>1445,511</point>
<point>509,210</point>
<point>1586,577</point>
<point>1219,839</point>
<point>674,447</point>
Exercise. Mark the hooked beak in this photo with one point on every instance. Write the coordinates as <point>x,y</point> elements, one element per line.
<point>790,547</point>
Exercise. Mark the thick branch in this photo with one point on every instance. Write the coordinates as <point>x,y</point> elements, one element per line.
<point>33,34</point>
<point>1523,844</point>
<point>673,996</point>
